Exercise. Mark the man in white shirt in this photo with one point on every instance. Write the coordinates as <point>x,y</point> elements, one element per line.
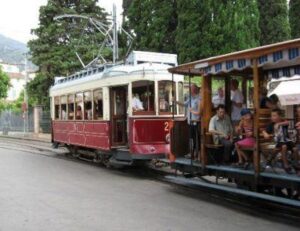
<point>237,100</point>
<point>137,104</point>
<point>219,98</point>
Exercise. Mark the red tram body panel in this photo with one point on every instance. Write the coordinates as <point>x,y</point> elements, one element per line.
<point>89,134</point>
<point>149,136</point>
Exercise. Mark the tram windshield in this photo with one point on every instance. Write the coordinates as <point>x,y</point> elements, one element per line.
<point>166,91</point>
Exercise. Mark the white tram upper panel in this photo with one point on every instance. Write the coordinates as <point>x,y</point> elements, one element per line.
<point>139,66</point>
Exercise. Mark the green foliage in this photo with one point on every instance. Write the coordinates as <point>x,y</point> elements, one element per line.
<point>58,40</point>
<point>294,18</point>
<point>16,106</point>
<point>154,24</point>
<point>192,35</point>
<point>274,24</point>
<point>4,84</point>
<point>38,89</point>
<point>194,29</point>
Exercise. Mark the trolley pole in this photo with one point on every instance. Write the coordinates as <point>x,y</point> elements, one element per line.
<point>115,35</point>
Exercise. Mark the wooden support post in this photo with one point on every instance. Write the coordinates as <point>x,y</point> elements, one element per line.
<point>227,91</point>
<point>256,103</point>
<point>206,114</point>
<point>244,90</point>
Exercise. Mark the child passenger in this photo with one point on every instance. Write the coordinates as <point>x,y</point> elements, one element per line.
<point>278,129</point>
<point>245,128</point>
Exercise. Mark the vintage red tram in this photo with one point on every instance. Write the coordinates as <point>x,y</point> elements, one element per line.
<point>120,112</point>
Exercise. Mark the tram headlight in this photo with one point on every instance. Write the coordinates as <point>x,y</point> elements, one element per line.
<point>168,138</point>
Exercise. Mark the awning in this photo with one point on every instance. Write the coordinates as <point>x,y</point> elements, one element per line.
<point>288,92</point>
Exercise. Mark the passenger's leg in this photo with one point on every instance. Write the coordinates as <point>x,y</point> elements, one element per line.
<point>284,150</point>
<point>239,152</point>
<point>295,154</point>
<point>227,149</point>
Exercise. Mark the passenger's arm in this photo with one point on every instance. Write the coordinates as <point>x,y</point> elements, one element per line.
<point>213,130</point>
<point>237,104</point>
<point>284,123</point>
<point>180,103</point>
<point>266,135</point>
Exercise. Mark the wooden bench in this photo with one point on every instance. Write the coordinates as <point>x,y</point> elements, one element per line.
<point>213,150</point>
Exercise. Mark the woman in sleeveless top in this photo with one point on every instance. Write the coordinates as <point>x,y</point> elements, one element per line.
<point>245,129</point>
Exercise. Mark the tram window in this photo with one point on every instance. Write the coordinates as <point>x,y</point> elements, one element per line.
<point>98,104</point>
<point>71,107</point>
<point>88,106</point>
<point>181,97</point>
<point>79,106</point>
<point>56,107</point>
<point>143,96</point>
<point>63,107</point>
<point>165,96</point>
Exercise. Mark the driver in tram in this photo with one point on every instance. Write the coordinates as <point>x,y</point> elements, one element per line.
<point>137,104</point>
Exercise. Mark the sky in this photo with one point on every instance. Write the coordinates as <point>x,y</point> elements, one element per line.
<point>18,17</point>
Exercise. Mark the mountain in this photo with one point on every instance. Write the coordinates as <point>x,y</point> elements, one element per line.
<point>11,51</point>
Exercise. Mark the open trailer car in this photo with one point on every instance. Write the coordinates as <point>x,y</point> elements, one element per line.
<point>117,113</point>
<point>254,68</point>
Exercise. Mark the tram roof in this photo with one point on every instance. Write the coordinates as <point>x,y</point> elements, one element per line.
<point>278,55</point>
<point>106,73</point>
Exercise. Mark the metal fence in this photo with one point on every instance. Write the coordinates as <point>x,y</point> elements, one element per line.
<point>15,121</point>
<point>45,122</point>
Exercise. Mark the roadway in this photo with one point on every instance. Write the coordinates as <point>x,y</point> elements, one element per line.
<point>42,190</point>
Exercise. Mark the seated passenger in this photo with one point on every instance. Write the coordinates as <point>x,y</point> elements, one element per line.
<point>245,128</point>
<point>78,113</point>
<point>137,104</point>
<point>63,114</point>
<point>221,128</point>
<point>278,129</point>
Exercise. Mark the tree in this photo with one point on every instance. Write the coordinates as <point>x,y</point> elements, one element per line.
<point>154,23</point>
<point>4,83</point>
<point>53,51</point>
<point>126,4</point>
<point>274,24</point>
<point>192,35</point>
<point>238,22</point>
<point>207,28</point>
<point>294,18</point>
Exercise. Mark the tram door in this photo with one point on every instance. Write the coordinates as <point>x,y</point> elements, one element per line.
<point>119,115</point>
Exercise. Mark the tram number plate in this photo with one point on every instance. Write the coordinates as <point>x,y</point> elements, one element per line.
<point>167,127</point>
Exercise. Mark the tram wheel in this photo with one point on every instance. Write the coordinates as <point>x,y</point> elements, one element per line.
<point>74,151</point>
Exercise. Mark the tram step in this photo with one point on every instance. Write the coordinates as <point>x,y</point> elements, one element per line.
<point>255,195</point>
<point>116,162</point>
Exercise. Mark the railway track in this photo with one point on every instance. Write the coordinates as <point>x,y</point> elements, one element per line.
<point>201,188</point>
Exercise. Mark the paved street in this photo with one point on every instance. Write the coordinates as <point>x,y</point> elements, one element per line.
<point>39,191</point>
